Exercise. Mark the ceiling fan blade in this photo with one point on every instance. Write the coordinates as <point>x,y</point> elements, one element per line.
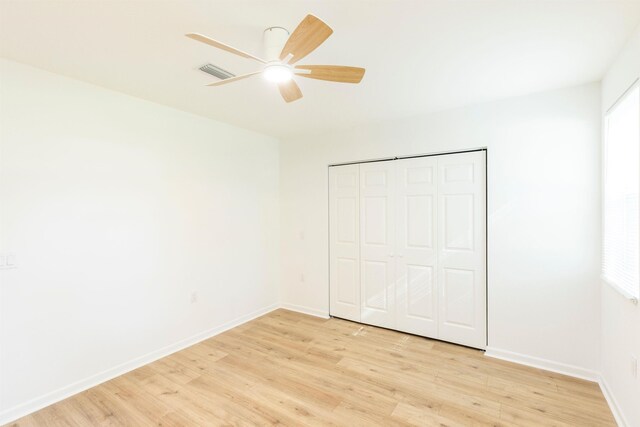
<point>307,36</point>
<point>220,45</point>
<point>290,91</point>
<point>233,79</point>
<point>333,73</point>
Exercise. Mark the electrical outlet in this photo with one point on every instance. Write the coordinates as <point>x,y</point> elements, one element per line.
<point>634,366</point>
<point>7,261</point>
<point>301,277</point>
<point>194,297</point>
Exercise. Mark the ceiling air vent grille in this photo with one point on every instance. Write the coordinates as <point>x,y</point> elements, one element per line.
<point>216,71</point>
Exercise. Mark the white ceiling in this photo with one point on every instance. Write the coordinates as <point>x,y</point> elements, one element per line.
<point>420,56</point>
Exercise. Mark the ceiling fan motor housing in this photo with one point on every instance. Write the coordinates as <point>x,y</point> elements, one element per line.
<point>274,40</point>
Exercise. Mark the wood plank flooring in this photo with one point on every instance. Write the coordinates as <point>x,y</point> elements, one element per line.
<point>291,369</point>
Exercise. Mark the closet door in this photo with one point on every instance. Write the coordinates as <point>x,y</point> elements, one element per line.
<point>416,293</point>
<point>344,242</point>
<point>377,231</point>
<point>461,275</point>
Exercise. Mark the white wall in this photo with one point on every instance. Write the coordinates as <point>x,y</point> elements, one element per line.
<point>620,317</point>
<point>543,215</point>
<point>117,209</point>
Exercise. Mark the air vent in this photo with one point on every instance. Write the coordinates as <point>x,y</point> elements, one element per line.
<point>216,71</point>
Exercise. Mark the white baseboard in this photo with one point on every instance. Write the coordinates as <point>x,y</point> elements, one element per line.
<point>305,310</point>
<point>549,365</point>
<point>33,405</point>
<point>613,404</point>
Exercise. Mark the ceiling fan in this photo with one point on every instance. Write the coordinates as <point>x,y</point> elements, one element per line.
<point>283,51</point>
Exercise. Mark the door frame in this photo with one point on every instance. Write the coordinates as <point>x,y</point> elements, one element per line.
<point>413,156</point>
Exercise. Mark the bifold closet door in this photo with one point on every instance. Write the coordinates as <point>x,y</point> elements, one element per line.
<point>344,246</point>
<point>408,243</point>
<point>416,257</point>
<point>377,245</point>
<point>461,275</point>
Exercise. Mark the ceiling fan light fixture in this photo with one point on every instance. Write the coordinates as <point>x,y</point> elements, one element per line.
<point>277,73</point>
<point>282,51</point>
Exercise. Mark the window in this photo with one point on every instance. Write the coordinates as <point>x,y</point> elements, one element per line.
<point>621,253</point>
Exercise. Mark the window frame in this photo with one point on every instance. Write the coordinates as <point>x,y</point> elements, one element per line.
<point>623,96</point>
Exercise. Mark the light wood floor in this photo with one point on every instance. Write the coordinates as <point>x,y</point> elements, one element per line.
<point>291,369</point>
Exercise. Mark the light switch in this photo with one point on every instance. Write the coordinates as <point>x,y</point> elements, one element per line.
<point>11,260</point>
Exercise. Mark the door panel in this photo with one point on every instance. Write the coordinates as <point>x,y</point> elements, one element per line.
<point>377,269</point>
<point>460,297</point>
<point>416,295</point>
<point>458,221</point>
<point>461,272</point>
<point>420,292</point>
<point>374,275</point>
<point>419,220</point>
<point>375,228</point>
<point>347,219</point>
<point>347,272</point>
<point>344,241</point>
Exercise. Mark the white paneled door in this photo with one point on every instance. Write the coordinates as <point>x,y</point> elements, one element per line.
<point>461,248</point>
<point>344,229</point>
<point>408,243</point>
<point>377,246</point>
<point>416,295</point>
